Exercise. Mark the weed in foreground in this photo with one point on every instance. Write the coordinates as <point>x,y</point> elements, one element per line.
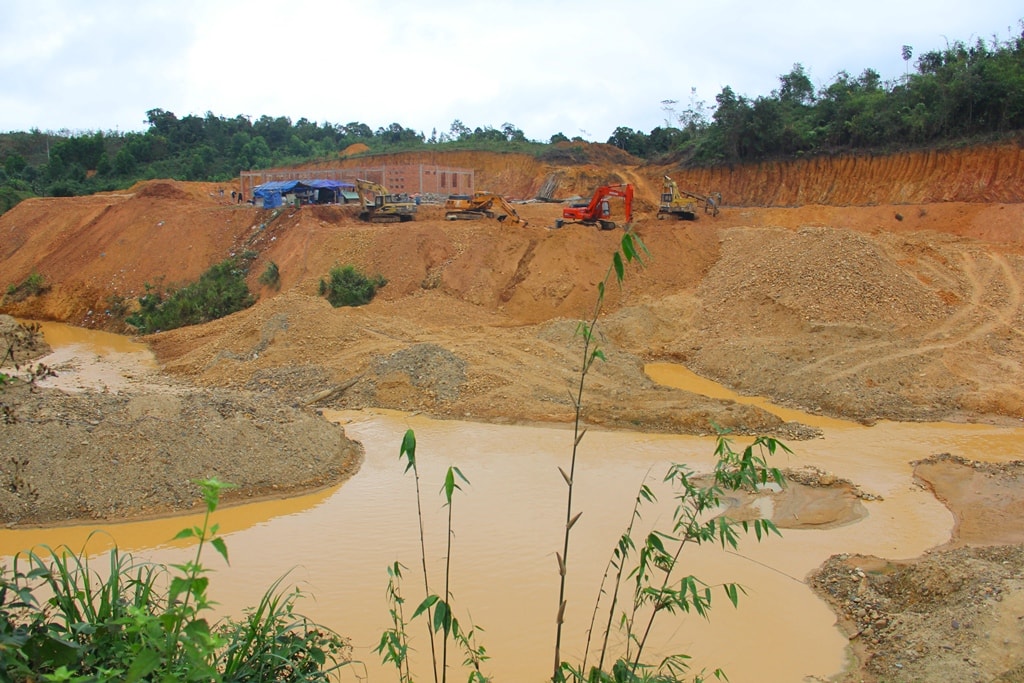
<point>437,610</point>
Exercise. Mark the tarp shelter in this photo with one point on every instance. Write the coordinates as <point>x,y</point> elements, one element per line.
<point>332,191</point>
<point>320,191</point>
<point>271,193</point>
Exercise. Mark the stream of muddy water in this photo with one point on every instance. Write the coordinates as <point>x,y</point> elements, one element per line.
<point>336,545</point>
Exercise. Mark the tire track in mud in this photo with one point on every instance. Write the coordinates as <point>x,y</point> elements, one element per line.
<point>994,282</point>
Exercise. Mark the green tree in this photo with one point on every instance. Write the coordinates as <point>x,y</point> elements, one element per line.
<point>14,164</point>
<point>347,286</point>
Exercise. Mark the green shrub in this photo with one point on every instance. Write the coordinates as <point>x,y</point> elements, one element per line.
<point>117,306</point>
<point>11,193</point>
<point>349,287</point>
<point>271,276</point>
<point>33,285</point>
<point>220,291</point>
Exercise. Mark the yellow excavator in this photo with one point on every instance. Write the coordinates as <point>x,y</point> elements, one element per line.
<point>683,205</point>
<point>377,205</point>
<point>480,205</point>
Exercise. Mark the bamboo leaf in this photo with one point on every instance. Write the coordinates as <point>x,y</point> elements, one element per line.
<point>442,617</point>
<point>627,246</point>
<point>620,269</point>
<point>427,603</point>
<point>573,520</point>
<point>564,475</point>
<point>409,449</point>
<point>730,590</point>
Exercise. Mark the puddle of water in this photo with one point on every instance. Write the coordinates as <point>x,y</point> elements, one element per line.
<point>97,342</point>
<point>93,360</point>
<point>679,377</point>
<point>336,545</point>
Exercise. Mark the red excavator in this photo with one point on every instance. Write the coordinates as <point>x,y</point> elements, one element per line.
<point>597,212</point>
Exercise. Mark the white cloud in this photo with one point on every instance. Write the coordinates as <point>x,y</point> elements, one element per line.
<point>573,67</point>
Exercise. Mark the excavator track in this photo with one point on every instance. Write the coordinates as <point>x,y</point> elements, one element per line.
<point>386,219</point>
<point>466,215</point>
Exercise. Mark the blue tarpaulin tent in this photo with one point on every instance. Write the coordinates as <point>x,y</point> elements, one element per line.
<point>271,193</point>
<point>322,191</point>
<point>332,191</point>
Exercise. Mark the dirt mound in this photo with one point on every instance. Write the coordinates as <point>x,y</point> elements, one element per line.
<point>987,499</point>
<point>354,149</point>
<point>161,190</point>
<point>139,454</point>
<point>948,616</point>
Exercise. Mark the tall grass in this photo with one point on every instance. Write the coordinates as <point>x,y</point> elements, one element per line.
<point>437,609</point>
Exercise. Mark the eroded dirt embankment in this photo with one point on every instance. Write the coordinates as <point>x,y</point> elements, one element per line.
<point>993,173</point>
<point>977,174</point>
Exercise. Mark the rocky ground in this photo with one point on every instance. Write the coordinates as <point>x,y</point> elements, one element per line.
<point>80,455</point>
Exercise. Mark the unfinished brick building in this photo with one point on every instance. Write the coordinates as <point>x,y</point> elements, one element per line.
<point>422,179</point>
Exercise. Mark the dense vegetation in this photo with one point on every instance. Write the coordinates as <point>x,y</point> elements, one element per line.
<point>964,92</point>
<point>347,286</point>
<point>218,292</point>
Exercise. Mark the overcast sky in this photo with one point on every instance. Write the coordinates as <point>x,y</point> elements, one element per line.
<point>576,67</point>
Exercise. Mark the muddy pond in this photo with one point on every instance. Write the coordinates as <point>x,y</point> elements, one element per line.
<point>336,545</point>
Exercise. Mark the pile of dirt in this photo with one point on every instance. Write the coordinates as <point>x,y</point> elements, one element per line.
<point>950,615</point>
<point>954,613</point>
<point>139,453</point>
<point>161,190</point>
<point>811,499</point>
<point>20,342</point>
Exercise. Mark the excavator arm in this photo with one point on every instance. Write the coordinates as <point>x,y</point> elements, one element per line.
<point>480,205</point>
<point>597,211</point>
<point>509,211</point>
<point>379,206</point>
<point>683,204</point>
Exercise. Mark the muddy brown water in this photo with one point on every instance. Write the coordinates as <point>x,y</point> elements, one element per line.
<point>335,545</point>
